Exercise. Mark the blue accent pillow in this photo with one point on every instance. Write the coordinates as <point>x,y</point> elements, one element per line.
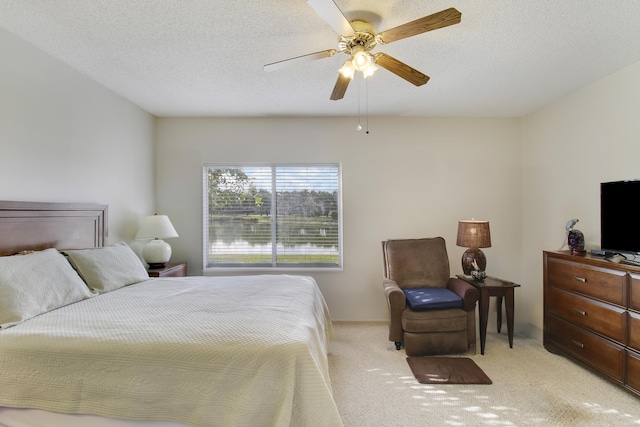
<point>420,299</point>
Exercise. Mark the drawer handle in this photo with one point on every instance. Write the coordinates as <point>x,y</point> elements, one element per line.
<point>579,344</point>
<point>580,279</point>
<point>581,312</point>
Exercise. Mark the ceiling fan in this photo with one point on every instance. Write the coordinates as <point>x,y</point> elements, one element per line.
<point>357,38</point>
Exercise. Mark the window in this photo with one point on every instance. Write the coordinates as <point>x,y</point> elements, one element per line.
<point>273,216</point>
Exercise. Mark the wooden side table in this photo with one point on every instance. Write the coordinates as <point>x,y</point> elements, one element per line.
<point>493,287</point>
<point>173,269</point>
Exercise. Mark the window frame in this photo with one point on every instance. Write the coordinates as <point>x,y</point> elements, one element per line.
<point>207,268</point>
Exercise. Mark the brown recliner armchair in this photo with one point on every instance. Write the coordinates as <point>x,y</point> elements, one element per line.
<point>436,324</point>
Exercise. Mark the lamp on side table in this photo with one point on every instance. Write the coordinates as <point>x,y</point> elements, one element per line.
<point>157,252</point>
<point>474,235</point>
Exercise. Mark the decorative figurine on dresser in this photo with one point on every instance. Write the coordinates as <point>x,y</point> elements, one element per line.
<point>575,238</point>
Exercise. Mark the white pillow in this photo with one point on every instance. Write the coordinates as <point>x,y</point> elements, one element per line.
<point>108,268</point>
<point>36,283</point>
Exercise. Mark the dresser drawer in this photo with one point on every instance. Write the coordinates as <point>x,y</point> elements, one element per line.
<point>634,330</point>
<point>602,283</point>
<point>600,317</point>
<point>634,292</point>
<point>593,350</point>
<point>633,369</point>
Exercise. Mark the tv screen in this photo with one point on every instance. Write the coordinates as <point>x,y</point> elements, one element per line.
<point>618,215</point>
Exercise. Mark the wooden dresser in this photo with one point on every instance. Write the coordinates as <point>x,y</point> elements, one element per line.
<point>592,315</point>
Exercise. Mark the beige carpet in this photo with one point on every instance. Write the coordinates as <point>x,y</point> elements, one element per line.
<point>373,386</point>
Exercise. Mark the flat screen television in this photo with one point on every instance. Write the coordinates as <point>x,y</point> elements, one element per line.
<point>619,231</point>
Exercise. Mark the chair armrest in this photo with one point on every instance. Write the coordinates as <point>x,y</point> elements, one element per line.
<point>395,295</point>
<point>397,302</point>
<point>466,291</point>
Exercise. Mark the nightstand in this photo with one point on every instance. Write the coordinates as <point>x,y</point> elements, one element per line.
<point>493,287</point>
<point>173,269</point>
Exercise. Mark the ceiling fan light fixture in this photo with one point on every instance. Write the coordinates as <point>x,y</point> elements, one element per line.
<point>348,69</point>
<point>369,70</point>
<point>363,61</point>
<point>361,58</point>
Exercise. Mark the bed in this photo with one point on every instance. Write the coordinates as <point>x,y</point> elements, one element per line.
<point>195,351</point>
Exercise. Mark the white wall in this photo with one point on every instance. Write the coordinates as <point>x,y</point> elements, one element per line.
<point>569,148</point>
<point>64,138</point>
<point>409,177</point>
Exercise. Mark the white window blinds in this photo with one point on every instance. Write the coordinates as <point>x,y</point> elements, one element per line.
<point>285,216</point>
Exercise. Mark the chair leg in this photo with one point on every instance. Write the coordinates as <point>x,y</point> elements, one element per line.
<point>398,345</point>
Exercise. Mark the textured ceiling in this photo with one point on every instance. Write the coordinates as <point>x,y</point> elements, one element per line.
<point>205,57</point>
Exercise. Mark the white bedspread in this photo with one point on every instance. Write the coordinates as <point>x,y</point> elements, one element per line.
<point>204,351</point>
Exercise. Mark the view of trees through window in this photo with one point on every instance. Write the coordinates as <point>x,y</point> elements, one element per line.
<point>272,216</point>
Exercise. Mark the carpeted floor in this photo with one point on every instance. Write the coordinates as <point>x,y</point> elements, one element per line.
<point>373,386</point>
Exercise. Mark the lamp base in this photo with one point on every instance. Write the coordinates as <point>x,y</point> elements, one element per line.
<point>156,253</point>
<point>467,258</point>
<point>157,265</point>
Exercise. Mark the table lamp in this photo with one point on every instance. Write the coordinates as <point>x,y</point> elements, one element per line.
<point>474,235</point>
<point>157,252</point>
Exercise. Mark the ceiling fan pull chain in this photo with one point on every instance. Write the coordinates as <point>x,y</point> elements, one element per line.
<point>366,100</point>
<point>359,127</point>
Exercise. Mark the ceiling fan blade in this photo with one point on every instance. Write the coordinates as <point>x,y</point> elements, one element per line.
<point>332,15</point>
<point>340,88</point>
<point>428,23</point>
<point>401,69</point>
<point>298,60</point>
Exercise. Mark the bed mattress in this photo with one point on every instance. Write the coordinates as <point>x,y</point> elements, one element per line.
<point>200,351</point>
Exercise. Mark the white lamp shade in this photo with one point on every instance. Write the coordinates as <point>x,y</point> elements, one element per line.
<point>156,227</point>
